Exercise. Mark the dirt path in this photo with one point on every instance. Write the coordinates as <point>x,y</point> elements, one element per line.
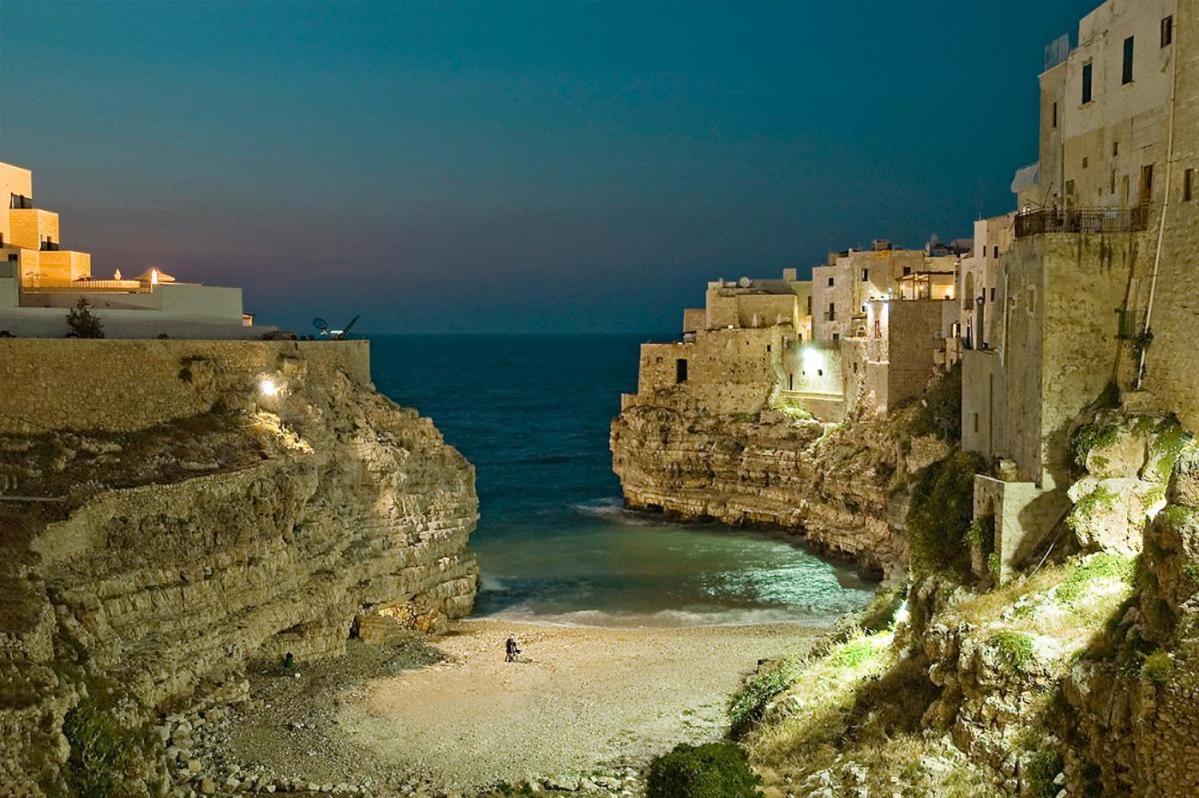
<point>583,697</point>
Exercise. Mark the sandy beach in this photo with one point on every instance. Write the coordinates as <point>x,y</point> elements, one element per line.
<point>582,697</point>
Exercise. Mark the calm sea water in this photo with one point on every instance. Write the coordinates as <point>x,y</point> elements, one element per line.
<point>532,414</point>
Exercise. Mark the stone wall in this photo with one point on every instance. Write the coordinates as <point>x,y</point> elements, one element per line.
<point>982,402</point>
<point>913,339</point>
<point>728,371</point>
<point>1170,368</point>
<point>1071,285</point>
<point>127,385</point>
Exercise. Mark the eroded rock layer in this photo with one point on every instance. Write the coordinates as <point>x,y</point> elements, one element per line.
<point>836,485</point>
<point>299,508</point>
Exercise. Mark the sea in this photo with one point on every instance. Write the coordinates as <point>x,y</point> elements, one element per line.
<point>554,541</point>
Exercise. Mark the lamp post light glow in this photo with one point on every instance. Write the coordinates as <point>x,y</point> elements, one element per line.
<point>268,387</point>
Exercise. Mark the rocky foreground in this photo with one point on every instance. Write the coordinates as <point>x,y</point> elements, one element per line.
<point>165,562</point>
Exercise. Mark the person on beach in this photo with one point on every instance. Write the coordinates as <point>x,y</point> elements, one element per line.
<point>511,650</point>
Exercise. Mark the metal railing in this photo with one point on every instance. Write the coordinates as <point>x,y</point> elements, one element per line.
<point>1082,220</point>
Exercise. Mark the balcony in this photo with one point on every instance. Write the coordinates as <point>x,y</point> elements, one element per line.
<point>1082,220</point>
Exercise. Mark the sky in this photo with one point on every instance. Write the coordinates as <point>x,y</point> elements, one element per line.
<point>514,167</point>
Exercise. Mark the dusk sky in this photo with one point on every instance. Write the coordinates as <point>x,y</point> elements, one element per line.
<point>504,167</point>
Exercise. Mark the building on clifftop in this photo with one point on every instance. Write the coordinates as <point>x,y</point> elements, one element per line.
<point>882,324</point>
<point>40,281</point>
<point>730,358</point>
<point>1095,276</point>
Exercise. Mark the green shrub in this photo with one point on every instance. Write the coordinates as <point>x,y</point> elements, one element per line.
<point>1158,667</point>
<point>1092,569</point>
<point>1040,769</point>
<point>748,703</point>
<point>82,323</point>
<point>940,514</point>
<point>1089,436</point>
<point>102,752</point>
<point>715,770</point>
<point>940,411</point>
<point>854,652</point>
<point>1168,442</point>
<point>1014,648</point>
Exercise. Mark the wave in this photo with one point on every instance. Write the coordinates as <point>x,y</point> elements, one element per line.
<point>665,618</point>
<point>612,509</point>
<point>492,584</point>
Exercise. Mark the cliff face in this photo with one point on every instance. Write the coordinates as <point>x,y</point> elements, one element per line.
<point>301,508</point>
<point>836,486</point>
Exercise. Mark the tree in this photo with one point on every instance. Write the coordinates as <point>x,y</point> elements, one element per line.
<point>84,323</point>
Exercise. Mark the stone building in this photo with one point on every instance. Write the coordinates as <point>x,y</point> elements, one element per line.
<point>882,320</point>
<point>1102,250</point>
<point>40,281</point>
<point>731,353</point>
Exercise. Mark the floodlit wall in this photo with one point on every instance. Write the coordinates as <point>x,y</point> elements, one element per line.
<point>13,180</point>
<point>1063,350</point>
<point>123,386</point>
<point>1172,365</point>
<point>30,227</point>
<point>982,402</point>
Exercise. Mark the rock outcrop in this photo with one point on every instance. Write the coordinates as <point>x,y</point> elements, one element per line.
<point>837,485</point>
<point>287,517</point>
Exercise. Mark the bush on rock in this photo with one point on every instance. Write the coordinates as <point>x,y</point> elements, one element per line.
<point>715,770</point>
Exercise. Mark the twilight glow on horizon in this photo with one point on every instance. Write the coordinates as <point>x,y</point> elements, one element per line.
<point>513,167</point>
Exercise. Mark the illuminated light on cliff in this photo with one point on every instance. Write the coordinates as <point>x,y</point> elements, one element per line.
<point>268,387</point>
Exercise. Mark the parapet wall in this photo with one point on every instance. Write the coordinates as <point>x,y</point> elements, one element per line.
<point>127,385</point>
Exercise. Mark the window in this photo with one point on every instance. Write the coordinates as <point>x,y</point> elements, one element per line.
<point>830,282</point>
<point>1087,70</point>
<point>1055,115</point>
<point>1032,300</point>
<point>767,347</point>
<point>836,336</point>
<point>907,270</point>
<point>809,306</point>
<point>992,294</point>
<point>865,275</point>
<point>1146,183</point>
<point>791,381</point>
<point>1085,161</point>
<point>1113,188</point>
<point>996,250</point>
<point>1188,185</point>
<point>1126,78</point>
<point>1115,148</point>
<point>680,371</point>
<point>832,311</point>
<point>1167,31</point>
<point>976,422</point>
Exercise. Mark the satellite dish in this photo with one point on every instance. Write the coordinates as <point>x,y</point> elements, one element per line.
<point>337,335</point>
<point>744,282</point>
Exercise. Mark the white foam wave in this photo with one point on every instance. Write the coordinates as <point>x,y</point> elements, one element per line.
<point>492,583</point>
<point>665,618</point>
<point>613,511</point>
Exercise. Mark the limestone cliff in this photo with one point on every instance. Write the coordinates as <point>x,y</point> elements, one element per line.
<point>840,486</point>
<point>299,508</point>
<point>1077,676</point>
